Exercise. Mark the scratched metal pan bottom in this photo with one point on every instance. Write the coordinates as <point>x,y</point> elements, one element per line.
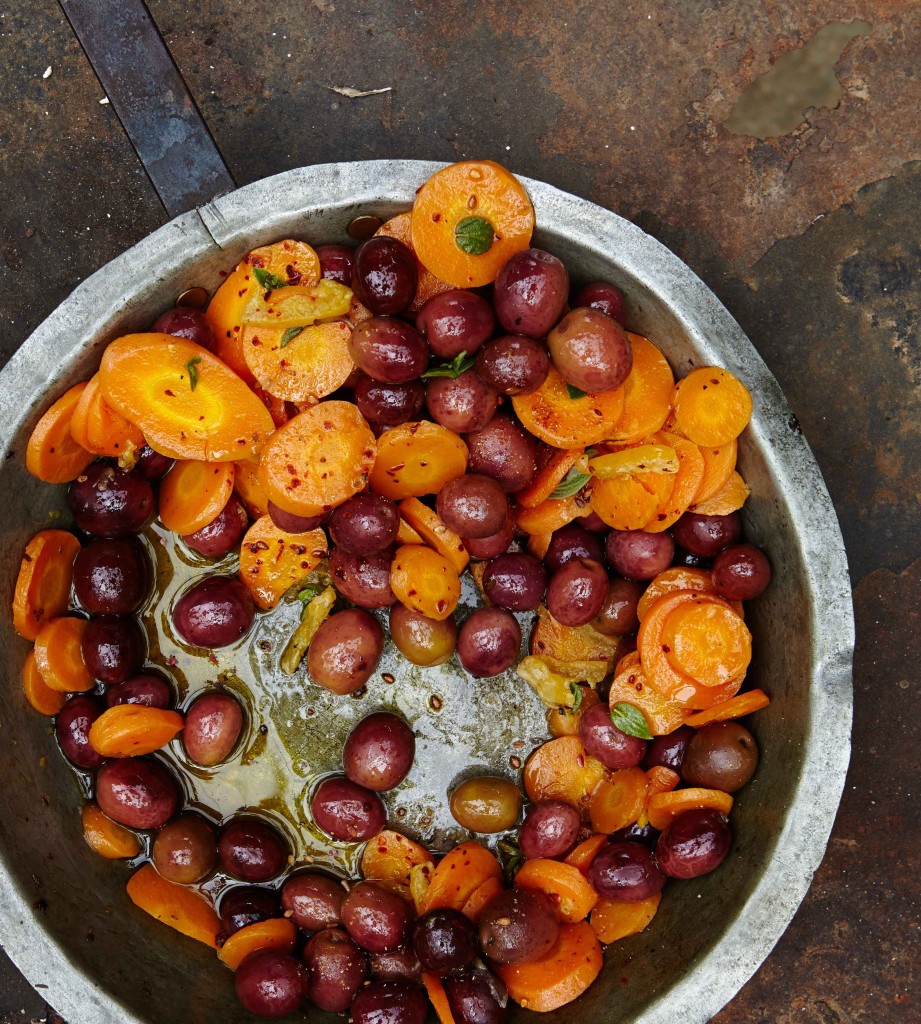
<point>65,918</point>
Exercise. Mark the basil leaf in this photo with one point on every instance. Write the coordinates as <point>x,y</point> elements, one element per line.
<point>290,334</point>
<point>631,720</point>
<point>474,236</point>
<point>460,364</point>
<point>193,372</point>
<point>571,484</point>
<point>309,593</point>
<point>511,857</point>
<point>577,697</point>
<point>574,392</point>
<point>268,280</point>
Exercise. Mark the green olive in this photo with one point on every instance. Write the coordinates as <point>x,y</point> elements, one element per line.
<point>486,804</point>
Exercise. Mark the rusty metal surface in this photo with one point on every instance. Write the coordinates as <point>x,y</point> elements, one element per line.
<point>807,238</point>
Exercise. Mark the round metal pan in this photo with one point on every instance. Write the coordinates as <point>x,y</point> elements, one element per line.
<point>65,918</point>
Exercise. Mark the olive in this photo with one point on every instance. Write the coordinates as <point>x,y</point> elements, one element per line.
<point>313,900</point>
<point>517,927</point>
<point>213,725</point>
<point>389,405</point>
<point>106,501</point>
<point>486,804</point>
<point>397,965</point>
<point>723,755</point>
<point>669,751</point>
<point>576,593</point>
<point>345,650</point>
<point>152,465</point>
<point>379,751</point>
<point>185,322</point>
<point>252,850</point>
<point>497,544</point>
<point>364,525</point>
<point>477,997</point>
<point>488,642</point>
<point>378,919</point>
<point>515,581</point>
<point>223,533</point>
<point>336,969</point>
<point>113,647</point>
<point>463,403</point>
<point>603,740</point>
<point>385,273</point>
<point>740,572</point>
<point>503,450</point>
<point>346,811</point>
<point>112,576</point>
<point>569,542</point>
<point>185,850</point>
<point>445,941</point>
<point>150,688</point>
<point>638,555</point>
<point>549,829</point>
<point>215,612</point>
<point>388,350</point>
<point>454,322</point>
<point>137,792</point>
<point>626,873</point>
<point>694,844</point>
<point>362,579</point>
<point>72,728</point>
<point>605,297</point>
<point>420,639</point>
<point>530,293</point>
<point>336,263</point>
<point>473,505</point>
<point>243,905</point>
<point>288,522</point>
<point>513,365</point>
<point>707,535</point>
<point>619,615</point>
<point>591,350</point>
<point>270,984</point>
<point>390,1002</point>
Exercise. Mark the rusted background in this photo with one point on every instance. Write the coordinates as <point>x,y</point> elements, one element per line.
<point>809,236</point>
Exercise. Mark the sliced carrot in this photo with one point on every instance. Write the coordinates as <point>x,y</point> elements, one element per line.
<point>729,498</point>
<point>550,515</point>
<point>583,855</point>
<point>276,933</point>
<point>630,686</point>
<point>552,639</point>
<point>618,801</point>
<point>99,428</point>
<point>539,544</point>
<point>678,577</point>
<point>38,693</point>
<point>390,857</point>
<point>554,681</point>
<point>425,581</point>
<point>273,561</point>
<point>648,458</point>
<point>438,997</point>
<point>414,459</point>
<point>175,905</point>
<point>185,401</point>
<point>420,878</point>
<point>43,585</point>
<point>560,976</point>
<point>708,642</point>
<point>481,895</point>
<point>561,770</point>
<point>562,721</point>
<point>432,531</point>
<point>558,419</point>
<point>131,730</point>
<point>686,483</point>
<point>736,707</point>
<point>647,392</point>
<point>105,837</point>
<point>458,875</point>
<point>59,658</point>
<point>718,466</point>
<point>548,477</point>
<point>663,808</point>
<point>623,502</point>
<point>712,407</point>
<point>660,779</point>
<point>193,494</point>
<point>358,313</point>
<point>249,489</point>
<point>478,189</point>
<point>52,454</point>
<point>564,884</point>
<point>318,459</point>
<point>299,364</point>
<point>612,920</point>
<point>407,535</point>
<point>428,286</point>
<point>296,306</point>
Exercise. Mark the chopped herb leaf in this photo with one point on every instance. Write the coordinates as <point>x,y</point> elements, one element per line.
<point>574,392</point>
<point>460,364</point>
<point>631,720</point>
<point>191,366</point>
<point>290,334</point>
<point>577,697</point>
<point>511,857</point>
<point>309,593</point>
<point>571,484</point>
<point>474,236</point>
<point>268,280</point>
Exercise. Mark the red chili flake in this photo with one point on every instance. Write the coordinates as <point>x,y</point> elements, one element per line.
<point>170,393</point>
<point>666,648</point>
<point>436,217</point>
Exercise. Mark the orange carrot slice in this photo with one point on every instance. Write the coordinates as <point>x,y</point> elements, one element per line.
<point>318,459</point>
<point>447,203</point>
<point>539,544</point>
<point>552,639</point>
<point>560,976</point>
<point>708,642</point>
<point>712,407</point>
<point>647,392</point>
<point>686,483</point>
<point>558,419</point>
<point>428,286</point>
<point>185,401</point>
<point>458,875</point>
<point>193,494</point>
<point>105,837</point>
<point>630,686</point>
<point>39,695</point>
<point>299,364</point>
<point>677,578</point>
<point>276,933</point>
<point>618,801</point>
<point>548,477</point>
<point>623,503</point>
<point>483,894</point>
<point>273,561</point>
<point>561,770</point>
<point>99,428</point>
<point>729,498</point>
<point>414,459</point>
<point>425,581</point>
<point>52,454</point>
<point>736,707</point>
<point>59,658</point>
<point>43,585</point>
<point>131,730</point>
<point>390,857</point>
<point>249,490</point>
<point>175,905</point>
<point>550,515</point>
<point>660,779</point>
<point>718,466</point>
<point>612,920</point>
<point>583,855</point>
<point>563,721</point>
<point>407,535</point>
<point>564,884</point>
<point>663,808</point>
<point>296,306</point>
<point>420,878</point>
<point>432,531</point>
<point>438,997</point>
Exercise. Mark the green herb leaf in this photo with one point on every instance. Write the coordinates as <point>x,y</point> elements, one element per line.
<point>630,719</point>
<point>571,484</point>
<point>474,236</point>
<point>268,280</point>
<point>577,697</point>
<point>290,334</point>
<point>309,593</point>
<point>461,363</point>
<point>574,392</point>
<point>193,372</point>
<point>511,857</point>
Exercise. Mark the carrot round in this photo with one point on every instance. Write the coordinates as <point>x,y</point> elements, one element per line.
<point>686,483</point>
<point>105,837</point>
<point>539,544</point>
<point>611,920</point>
<point>59,658</point>
<point>548,477</point>
<point>618,801</point>
<point>193,494</point>
<point>563,721</point>
<point>458,875</point>
<point>560,976</point>
<point>583,855</point>
<point>276,933</point>
<point>712,407</point>
<point>318,459</point>
<point>272,561</point>
<point>729,498</point>
<point>414,459</point>
<point>407,535</point>
<point>552,639</point>
<point>432,531</point>
<point>622,502</point>
<point>630,686</point>
<point>736,707</point>
<point>390,857</point>
<point>185,401</point>
<point>425,581</point>
<point>448,202</point>
<point>718,466</point>
<point>708,642</point>
<point>38,693</point>
<point>52,454</point>
<point>175,905</point>
<point>249,489</point>
<point>481,895</point>
<point>299,364</point>
<point>551,515</point>
<point>679,577</point>
<point>663,808</point>
<point>420,878</point>
<point>561,770</point>
<point>132,730</point>
<point>647,392</point>
<point>428,286</point>
<point>43,585</point>
<point>553,415</point>
<point>438,997</point>
<point>660,779</point>
<point>99,428</point>
<point>564,884</point>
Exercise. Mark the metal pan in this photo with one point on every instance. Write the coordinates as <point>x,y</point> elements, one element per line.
<point>65,918</point>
